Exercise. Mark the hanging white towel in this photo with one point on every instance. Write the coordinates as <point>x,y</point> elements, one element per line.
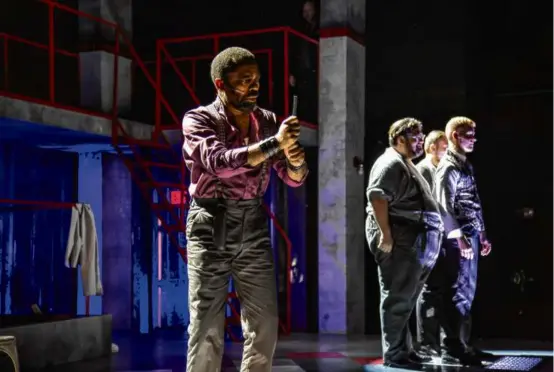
<point>82,249</point>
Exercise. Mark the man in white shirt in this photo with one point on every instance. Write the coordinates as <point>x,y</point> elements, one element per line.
<point>435,147</point>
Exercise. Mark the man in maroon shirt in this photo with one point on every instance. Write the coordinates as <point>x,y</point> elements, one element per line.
<point>229,147</point>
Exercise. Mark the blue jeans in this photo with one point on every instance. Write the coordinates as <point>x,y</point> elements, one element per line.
<point>460,283</point>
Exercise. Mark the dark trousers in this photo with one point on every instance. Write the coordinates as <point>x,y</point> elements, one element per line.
<point>446,300</point>
<point>227,239</point>
<point>430,307</point>
<point>402,273</point>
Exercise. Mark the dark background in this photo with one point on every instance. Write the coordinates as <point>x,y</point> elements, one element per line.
<point>489,60</point>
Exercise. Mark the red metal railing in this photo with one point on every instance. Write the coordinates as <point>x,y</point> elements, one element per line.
<point>164,57</point>
<point>260,42</point>
<point>52,98</point>
<point>119,134</point>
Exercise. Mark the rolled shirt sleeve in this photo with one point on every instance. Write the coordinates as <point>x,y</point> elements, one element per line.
<point>202,145</point>
<point>280,167</point>
<point>280,162</point>
<point>384,180</point>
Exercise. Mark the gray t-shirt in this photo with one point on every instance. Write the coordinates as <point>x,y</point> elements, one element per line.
<point>396,180</point>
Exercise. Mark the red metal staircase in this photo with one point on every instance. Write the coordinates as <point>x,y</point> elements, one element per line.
<point>155,166</point>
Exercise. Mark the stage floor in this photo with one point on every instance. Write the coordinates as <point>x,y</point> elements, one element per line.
<point>299,353</point>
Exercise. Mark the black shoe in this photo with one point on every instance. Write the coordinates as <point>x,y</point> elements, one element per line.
<point>463,359</point>
<point>480,354</point>
<point>404,363</point>
<point>426,351</point>
<point>419,358</point>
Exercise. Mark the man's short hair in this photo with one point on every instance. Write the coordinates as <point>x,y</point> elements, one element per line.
<point>432,138</point>
<point>228,60</point>
<point>458,122</point>
<point>402,127</point>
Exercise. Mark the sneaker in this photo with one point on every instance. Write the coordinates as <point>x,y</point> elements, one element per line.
<point>428,351</point>
<point>462,359</point>
<point>404,363</point>
<point>478,353</point>
<point>419,358</point>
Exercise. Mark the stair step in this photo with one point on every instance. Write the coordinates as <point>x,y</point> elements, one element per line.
<point>168,185</point>
<point>154,164</point>
<point>149,143</point>
<point>168,207</point>
<point>174,228</point>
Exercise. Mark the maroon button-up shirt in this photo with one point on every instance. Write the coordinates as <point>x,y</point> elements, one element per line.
<point>211,162</point>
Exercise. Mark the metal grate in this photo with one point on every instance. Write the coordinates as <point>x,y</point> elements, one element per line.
<point>515,363</point>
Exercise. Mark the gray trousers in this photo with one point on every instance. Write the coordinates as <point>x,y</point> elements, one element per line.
<point>402,274</point>
<point>227,239</point>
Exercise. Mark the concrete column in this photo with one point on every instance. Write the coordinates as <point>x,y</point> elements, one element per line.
<point>117,241</point>
<point>97,58</point>
<point>341,188</point>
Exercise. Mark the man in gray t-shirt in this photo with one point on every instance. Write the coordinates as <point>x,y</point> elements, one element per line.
<point>403,230</point>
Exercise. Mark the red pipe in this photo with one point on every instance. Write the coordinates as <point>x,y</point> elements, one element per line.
<point>39,203</point>
<point>78,12</point>
<point>288,244</point>
<point>302,36</point>
<point>140,63</point>
<point>181,76</point>
<point>222,35</point>
<point>37,45</point>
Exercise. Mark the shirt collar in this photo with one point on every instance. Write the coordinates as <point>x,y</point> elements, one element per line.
<point>220,107</point>
<point>456,155</point>
<point>254,127</point>
<point>394,152</point>
<point>429,161</point>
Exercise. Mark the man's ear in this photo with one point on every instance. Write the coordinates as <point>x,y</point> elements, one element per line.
<point>219,84</point>
<point>401,140</point>
<point>455,137</point>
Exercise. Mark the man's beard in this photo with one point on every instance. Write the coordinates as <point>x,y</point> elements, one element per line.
<point>245,106</point>
<point>417,152</point>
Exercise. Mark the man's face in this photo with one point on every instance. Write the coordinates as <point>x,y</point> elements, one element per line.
<point>440,148</point>
<point>242,87</point>
<point>414,140</point>
<point>466,138</point>
<point>308,11</point>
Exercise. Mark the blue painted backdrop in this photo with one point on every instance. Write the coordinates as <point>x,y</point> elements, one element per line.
<point>33,242</point>
<point>145,279</point>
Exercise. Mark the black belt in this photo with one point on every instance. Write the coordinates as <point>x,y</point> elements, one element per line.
<point>220,207</point>
<point>230,203</point>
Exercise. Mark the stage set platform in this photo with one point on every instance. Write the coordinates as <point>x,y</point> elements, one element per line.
<point>299,353</point>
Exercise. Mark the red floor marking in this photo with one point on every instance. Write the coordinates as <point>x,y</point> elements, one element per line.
<point>367,360</point>
<point>315,355</point>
